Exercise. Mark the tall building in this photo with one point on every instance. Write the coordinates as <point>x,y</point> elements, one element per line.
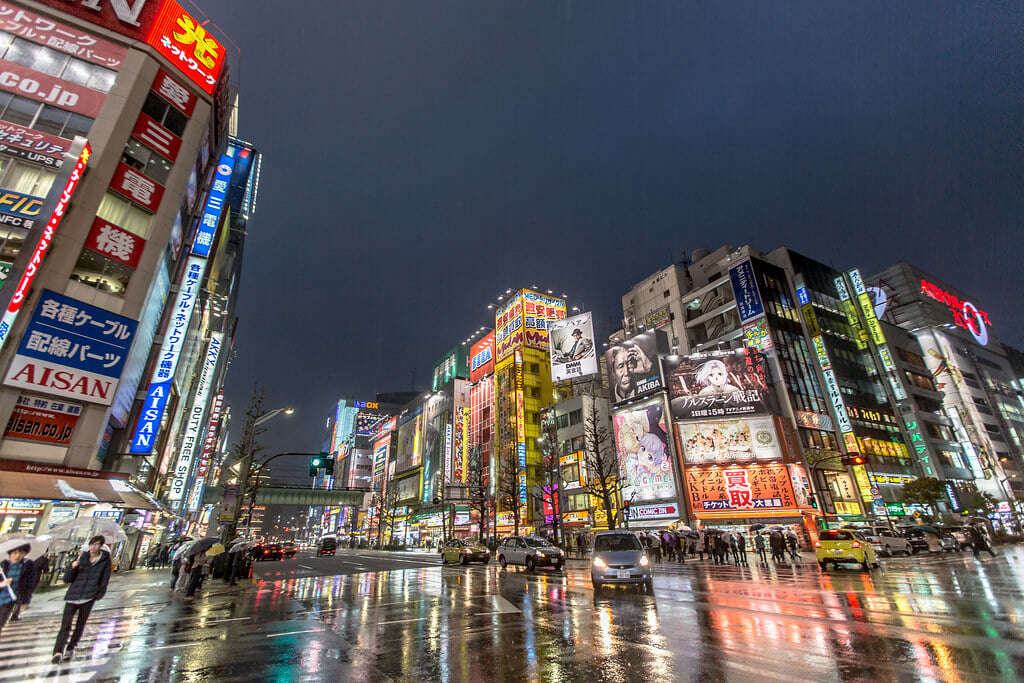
<point>121,257</point>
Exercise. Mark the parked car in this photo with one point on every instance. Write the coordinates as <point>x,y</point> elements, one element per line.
<point>327,546</point>
<point>288,548</point>
<point>464,552</point>
<point>619,557</point>
<point>838,546</point>
<point>530,552</point>
<point>918,542</point>
<point>885,540</point>
<point>959,534</point>
<point>948,542</point>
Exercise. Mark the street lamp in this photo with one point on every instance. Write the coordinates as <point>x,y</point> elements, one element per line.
<point>246,469</point>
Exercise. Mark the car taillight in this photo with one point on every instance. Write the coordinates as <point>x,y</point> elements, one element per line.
<point>817,544</point>
<point>856,544</point>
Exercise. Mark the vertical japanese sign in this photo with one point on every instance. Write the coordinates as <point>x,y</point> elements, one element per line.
<point>867,310</point>
<point>69,179</point>
<point>194,422</point>
<point>167,360</point>
<point>520,381</point>
<point>214,207</point>
<point>72,349</point>
<point>208,445</point>
<point>749,306</point>
<point>187,45</point>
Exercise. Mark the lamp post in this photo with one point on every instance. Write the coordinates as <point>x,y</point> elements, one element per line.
<point>246,469</point>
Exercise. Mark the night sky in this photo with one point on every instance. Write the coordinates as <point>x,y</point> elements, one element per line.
<point>422,157</point>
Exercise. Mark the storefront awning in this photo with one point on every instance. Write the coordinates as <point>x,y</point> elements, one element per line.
<point>74,489</point>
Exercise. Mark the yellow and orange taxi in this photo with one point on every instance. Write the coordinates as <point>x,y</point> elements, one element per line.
<point>838,546</point>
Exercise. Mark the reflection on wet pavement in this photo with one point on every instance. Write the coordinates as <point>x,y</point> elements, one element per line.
<point>944,618</point>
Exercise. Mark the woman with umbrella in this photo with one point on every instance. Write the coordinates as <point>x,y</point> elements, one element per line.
<point>87,577</point>
<point>18,579</point>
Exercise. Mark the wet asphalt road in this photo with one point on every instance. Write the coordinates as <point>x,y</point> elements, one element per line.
<point>920,618</point>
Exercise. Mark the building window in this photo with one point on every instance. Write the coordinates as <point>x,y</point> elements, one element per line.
<point>534,368</point>
<point>142,158</point>
<point>164,114</point>
<point>96,270</point>
<point>43,117</point>
<point>576,416</point>
<point>563,421</point>
<point>27,178</point>
<point>57,64</point>
<point>124,214</point>
<point>666,294</point>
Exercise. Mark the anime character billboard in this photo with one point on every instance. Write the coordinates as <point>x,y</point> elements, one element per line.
<point>645,463</point>
<point>717,384</point>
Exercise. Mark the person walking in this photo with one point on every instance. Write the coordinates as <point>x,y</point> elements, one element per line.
<point>655,545</point>
<point>17,583</point>
<point>978,541</point>
<point>741,549</point>
<point>759,546</point>
<point>705,545</point>
<point>794,545</point>
<point>87,577</point>
<point>777,544</point>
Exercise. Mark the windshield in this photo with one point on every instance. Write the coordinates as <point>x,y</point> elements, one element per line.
<point>835,536</point>
<point>537,543</point>
<point>616,543</point>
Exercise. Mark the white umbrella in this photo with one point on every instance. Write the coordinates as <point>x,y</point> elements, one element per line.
<point>239,546</point>
<point>12,543</point>
<point>45,543</point>
<point>8,537</point>
<point>84,528</point>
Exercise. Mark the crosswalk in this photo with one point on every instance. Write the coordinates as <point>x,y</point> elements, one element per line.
<point>26,645</point>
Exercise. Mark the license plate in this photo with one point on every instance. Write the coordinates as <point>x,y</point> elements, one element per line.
<point>622,574</point>
<point>838,551</point>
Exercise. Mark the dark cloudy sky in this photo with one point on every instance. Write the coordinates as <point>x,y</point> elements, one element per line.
<point>421,157</point>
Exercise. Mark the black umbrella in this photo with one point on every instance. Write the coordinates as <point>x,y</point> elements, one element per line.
<point>201,546</point>
<point>756,527</point>
<point>712,531</point>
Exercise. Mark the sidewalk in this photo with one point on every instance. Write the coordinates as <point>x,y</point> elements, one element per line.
<point>135,587</point>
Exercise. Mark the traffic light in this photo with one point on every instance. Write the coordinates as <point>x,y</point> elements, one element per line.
<point>328,462</point>
<point>853,459</point>
<point>315,464</point>
<point>625,510</point>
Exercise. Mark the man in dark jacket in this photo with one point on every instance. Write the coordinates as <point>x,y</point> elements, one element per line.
<point>87,578</point>
<point>20,579</point>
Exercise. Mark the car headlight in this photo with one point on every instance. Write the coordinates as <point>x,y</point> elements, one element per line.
<point>467,551</point>
<point>644,561</point>
<point>598,562</point>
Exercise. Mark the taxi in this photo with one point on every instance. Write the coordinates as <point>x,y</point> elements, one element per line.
<point>837,546</point>
<point>464,551</point>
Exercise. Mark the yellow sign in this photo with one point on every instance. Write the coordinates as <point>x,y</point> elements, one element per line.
<point>847,508</point>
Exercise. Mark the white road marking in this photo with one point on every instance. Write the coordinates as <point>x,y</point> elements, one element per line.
<point>504,606</point>
<point>401,621</point>
<point>292,633</point>
<point>304,566</point>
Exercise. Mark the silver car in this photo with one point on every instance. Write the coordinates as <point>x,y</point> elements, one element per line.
<point>619,557</point>
<point>530,552</point>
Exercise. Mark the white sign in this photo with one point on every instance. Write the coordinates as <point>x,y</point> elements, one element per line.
<point>658,511</point>
<point>572,347</point>
<point>195,424</point>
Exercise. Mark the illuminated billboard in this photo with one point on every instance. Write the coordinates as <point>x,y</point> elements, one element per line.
<point>410,428</point>
<point>751,488</point>
<point>645,462</point>
<point>572,347</point>
<point>749,306</point>
<point>481,358</point>
<point>454,364</point>
<point>633,368</point>
<point>716,384</point>
<point>187,45</point>
<point>728,440</point>
<point>523,321</point>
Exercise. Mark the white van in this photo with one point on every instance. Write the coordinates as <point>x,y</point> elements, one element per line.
<point>885,541</point>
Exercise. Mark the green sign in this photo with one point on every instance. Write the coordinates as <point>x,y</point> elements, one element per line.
<point>896,509</point>
<point>454,364</point>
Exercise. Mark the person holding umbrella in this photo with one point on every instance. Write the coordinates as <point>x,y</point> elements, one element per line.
<point>18,580</point>
<point>87,577</point>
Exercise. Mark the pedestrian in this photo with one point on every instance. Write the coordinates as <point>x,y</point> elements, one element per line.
<point>721,548</point>
<point>778,546</point>
<point>741,549</point>
<point>668,542</point>
<point>165,555</point>
<point>691,545</point>
<point>705,545</point>
<point>87,577</point>
<point>17,583</point>
<point>198,565</point>
<point>759,546</point>
<point>655,546</point>
<point>794,545</point>
<point>978,540</point>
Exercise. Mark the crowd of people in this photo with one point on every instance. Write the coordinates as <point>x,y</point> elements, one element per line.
<point>721,546</point>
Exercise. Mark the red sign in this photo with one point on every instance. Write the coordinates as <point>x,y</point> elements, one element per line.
<point>175,93</point>
<point>481,358</point>
<point>44,426</point>
<point>137,187</point>
<point>753,488</point>
<point>132,18</point>
<point>116,243</point>
<point>67,39</point>
<point>965,314</point>
<point>156,137</point>
<point>40,87</point>
<point>32,145</point>
<point>185,42</point>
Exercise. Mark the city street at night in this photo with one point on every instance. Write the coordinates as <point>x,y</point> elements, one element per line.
<point>947,617</point>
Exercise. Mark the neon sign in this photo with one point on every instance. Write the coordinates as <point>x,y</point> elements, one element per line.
<point>965,314</point>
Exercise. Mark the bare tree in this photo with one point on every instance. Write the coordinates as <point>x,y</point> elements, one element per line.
<point>509,486</point>
<point>477,489</point>
<point>245,453</point>
<point>600,458</point>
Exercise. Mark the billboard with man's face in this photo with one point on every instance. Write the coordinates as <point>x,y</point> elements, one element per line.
<point>572,347</point>
<point>633,368</point>
<point>716,384</point>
